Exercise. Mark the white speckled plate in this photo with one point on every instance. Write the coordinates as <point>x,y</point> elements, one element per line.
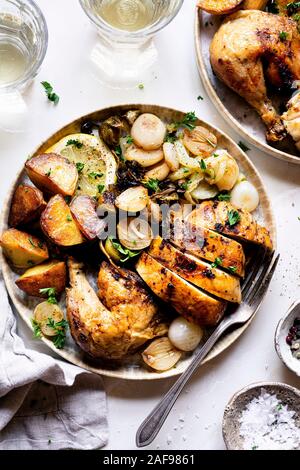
<point>133,367</point>
<point>244,120</point>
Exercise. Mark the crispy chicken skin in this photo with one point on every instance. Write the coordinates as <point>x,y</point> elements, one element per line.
<point>127,320</point>
<point>190,302</point>
<point>247,50</point>
<point>196,271</point>
<point>214,215</point>
<point>209,245</point>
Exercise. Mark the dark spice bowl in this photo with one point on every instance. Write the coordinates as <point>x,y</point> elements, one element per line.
<point>283,349</point>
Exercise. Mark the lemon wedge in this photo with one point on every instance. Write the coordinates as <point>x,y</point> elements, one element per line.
<point>96,165</point>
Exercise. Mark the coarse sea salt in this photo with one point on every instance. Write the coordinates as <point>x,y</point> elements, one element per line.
<point>268,424</point>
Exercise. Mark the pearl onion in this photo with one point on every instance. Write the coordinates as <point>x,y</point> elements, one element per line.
<point>245,196</point>
<point>185,335</point>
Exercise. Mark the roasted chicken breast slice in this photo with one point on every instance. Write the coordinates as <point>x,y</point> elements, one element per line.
<point>105,333</point>
<point>196,271</point>
<point>189,301</point>
<point>221,216</point>
<point>209,245</point>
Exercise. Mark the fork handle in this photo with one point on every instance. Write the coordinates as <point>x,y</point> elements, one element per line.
<point>152,424</point>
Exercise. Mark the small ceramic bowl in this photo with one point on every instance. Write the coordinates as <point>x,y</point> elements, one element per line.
<point>233,411</point>
<point>282,330</point>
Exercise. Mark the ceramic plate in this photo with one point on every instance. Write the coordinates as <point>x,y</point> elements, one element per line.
<point>234,109</point>
<point>132,368</point>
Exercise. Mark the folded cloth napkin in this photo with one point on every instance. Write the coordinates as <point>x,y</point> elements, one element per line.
<point>45,403</point>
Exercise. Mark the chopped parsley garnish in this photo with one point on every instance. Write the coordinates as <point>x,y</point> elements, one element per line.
<point>49,92</point>
<point>243,146</point>
<point>232,269</point>
<point>184,185</point>
<point>233,218</point>
<point>79,166</point>
<point>48,173</point>
<point>292,7</point>
<point>118,152</point>
<point>95,175</point>
<point>76,143</point>
<point>129,139</point>
<point>203,165</point>
<point>224,197</point>
<point>279,407</point>
<point>152,184</point>
<point>218,262</point>
<point>69,218</point>
<point>31,242</point>
<point>215,155</point>
<point>100,188</point>
<point>50,292</point>
<point>141,86</point>
<point>36,328</point>
<point>273,7</point>
<point>283,36</point>
<point>68,199</point>
<point>60,327</point>
<point>200,98</point>
<point>254,447</point>
<point>188,121</point>
<point>127,254</point>
<point>171,138</point>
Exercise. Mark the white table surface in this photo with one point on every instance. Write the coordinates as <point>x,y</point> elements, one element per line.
<point>195,422</point>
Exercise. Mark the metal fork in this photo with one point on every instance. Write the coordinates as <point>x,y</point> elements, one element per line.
<point>254,289</point>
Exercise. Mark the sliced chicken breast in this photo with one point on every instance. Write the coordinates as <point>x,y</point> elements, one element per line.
<point>223,217</point>
<point>196,271</point>
<point>189,301</point>
<point>209,245</point>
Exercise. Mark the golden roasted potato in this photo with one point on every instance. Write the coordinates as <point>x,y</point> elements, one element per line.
<point>58,224</point>
<point>50,274</point>
<point>219,7</point>
<point>27,205</point>
<point>23,249</point>
<point>254,4</point>
<point>53,174</point>
<point>83,209</point>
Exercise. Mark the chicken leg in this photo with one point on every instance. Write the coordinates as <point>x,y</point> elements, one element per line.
<point>251,47</point>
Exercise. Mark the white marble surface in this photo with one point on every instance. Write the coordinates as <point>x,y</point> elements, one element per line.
<point>195,422</point>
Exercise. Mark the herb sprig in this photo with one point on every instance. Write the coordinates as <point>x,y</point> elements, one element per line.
<point>59,328</point>
<point>75,142</point>
<point>127,254</point>
<point>152,184</point>
<point>50,292</point>
<point>50,93</point>
<point>233,218</point>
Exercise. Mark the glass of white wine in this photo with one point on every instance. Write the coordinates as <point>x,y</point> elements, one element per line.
<point>125,53</point>
<point>23,45</point>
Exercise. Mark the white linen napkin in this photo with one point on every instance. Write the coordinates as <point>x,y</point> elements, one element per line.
<point>45,403</point>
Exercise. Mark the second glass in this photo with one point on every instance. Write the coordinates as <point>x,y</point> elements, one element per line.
<point>125,53</point>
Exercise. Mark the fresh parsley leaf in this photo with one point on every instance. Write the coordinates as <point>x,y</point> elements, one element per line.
<point>76,143</point>
<point>129,139</point>
<point>127,254</point>
<point>48,173</point>
<point>215,155</point>
<point>273,7</point>
<point>292,7</point>
<point>203,165</point>
<point>243,146</point>
<point>49,92</point>
<point>119,153</point>
<point>188,121</point>
<point>152,184</point>
<point>200,98</point>
<point>218,262</point>
<point>69,218</point>
<point>60,327</point>
<point>68,199</point>
<point>232,269</point>
<point>224,197</point>
<point>101,188</point>
<point>298,218</point>
<point>141,86</point>
<point>283,36</point>
<point>79,166</point>
<point>37,333</point>
<point>279,407</point>
<point>184,185</point>
<point>171,138</point>
<point>233,217</point>
<point>254,447</point>
<point>95,175</point>
<point>50,292</point>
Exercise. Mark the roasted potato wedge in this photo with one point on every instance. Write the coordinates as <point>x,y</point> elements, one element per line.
<point>58,224</point>
<point>219,7</point>
<point>27,205</point>
<point>83,209</point>
<point>22,249</point>
<point>53,174</point>
<point>50,274</point>
<point>254,4</point>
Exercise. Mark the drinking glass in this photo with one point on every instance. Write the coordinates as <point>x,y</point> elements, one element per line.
<point>125,53</point>
<point>23,45</point>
